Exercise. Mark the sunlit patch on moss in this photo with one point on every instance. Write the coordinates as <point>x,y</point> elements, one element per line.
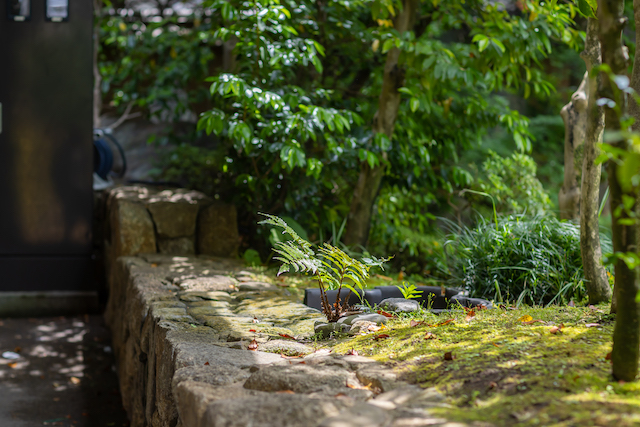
<point>508,372</point>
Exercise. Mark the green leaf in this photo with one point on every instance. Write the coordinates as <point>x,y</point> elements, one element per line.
<point>586,9</point>
<point>414,104</point>
<point>482,44</point>
<point>387,45</point>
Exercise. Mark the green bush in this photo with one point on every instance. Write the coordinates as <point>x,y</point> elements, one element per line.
<point>534,260</point>
<point>512,182</point>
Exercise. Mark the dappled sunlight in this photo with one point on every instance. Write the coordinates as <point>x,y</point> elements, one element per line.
<point>531,365</point>
<point>57,368</point>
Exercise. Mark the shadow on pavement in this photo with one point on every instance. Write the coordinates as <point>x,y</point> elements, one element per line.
<point>58,371</point>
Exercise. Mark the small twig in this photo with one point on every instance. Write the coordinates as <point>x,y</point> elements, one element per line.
<point>125,116</point>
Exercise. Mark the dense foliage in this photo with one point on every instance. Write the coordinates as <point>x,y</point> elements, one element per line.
<point>285,119</point>
<point>533,260</point>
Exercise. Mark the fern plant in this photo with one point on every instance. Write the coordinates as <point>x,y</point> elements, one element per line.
<point>409,291</point>
<point>332,267</point>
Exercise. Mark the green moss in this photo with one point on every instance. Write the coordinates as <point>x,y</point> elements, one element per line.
<point>508,372</point>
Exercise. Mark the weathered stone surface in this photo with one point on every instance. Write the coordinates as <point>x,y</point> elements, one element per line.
<point>254,286</point>
<point>218,230</point>
<point>174,217</point>
<point>300,378</point>
<point>326,330</point>
<point>400,305</point>
<point>362,326</point>
<point>282,410</point>
<point>176,245</point>
<point>372,317</point>
<point>360,415</point>
<point>131,229</point>
<point>206,284</point>
<point>286,347</point>
<point>183,357</point>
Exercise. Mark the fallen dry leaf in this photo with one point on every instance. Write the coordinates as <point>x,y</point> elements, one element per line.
<point>470,314</point>
<point>415,323</point>
<point>374,328</point>
<point>74,380</point>
<point>284,356</point>
<point>12,365</point>
<point>352,352</point>
<point>449,356</point>
<point>556,329</point>
<point>492,385</point>
<point>380,337</point>
<point>445,322</point>
<point>525,318</point>
<point>206,363</point>
<point>286,392</point>
<point>255,320</point>
<point>430,336</point>
<point>531,322</point>
<point>17,349</point>
<point>287,336</point>
<point>608,356</point>
<point>385,314</point>
<point>495,345</point>
<point>252,330</point>
<point>253,346</point>
<point>592,325</point>
<point>154,264</point>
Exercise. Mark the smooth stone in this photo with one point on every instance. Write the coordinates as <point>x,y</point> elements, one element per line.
<point>255,286</point>
<point>371,317</point>
<point>399,305</point>
<point>325,330</point>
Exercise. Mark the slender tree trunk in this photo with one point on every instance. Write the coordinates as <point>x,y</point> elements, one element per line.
<point>626,333</point>
<point>368,185</point>
<point>574,116</point>
<point>595,275</point>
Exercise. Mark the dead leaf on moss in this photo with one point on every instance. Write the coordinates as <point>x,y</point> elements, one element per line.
<point>443,323</point>
<point>385,314</point>
<point>287,336</point>
<point>525,318</point>
<point>531,322</point>
<point>415,323</point>
<point>449,356</point>
<point>608,356</point>
<point>381,337</point>
<point>471,313</point>
<point>495,345</point>
<point>556,329</point>
<point>430,336</point>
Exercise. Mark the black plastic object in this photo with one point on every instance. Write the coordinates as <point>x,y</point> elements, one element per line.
<point>103,154</point>
<point>432,297</point>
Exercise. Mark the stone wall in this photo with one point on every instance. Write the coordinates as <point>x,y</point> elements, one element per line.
<point>140,219</point>
<point>199,341</point>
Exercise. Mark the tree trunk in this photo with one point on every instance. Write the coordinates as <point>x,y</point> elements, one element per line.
<point>574,115</point>
<point>595,275</point>
<point>626,333</point>
<point>369,180</point>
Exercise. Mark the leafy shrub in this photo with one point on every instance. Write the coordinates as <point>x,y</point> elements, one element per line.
<point>512,182</point>
<point>533,260</point>
<point>403,224</point>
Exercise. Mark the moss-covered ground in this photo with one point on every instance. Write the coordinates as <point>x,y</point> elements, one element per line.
<point>527,366</point>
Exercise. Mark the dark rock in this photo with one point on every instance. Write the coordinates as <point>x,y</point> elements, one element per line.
<point>218,230</point>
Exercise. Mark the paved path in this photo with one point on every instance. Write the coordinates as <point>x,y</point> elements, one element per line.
<point>64,376</point>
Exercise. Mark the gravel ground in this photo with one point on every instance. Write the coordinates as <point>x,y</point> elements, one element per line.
<point>58,371</point>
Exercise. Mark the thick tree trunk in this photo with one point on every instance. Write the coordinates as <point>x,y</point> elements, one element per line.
<point>626,333</point>
<point>366,190</point>
<point>595,275</point>
<point>574,115</point>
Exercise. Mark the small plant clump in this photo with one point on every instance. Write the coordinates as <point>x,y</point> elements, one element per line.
<point>532,260</point>
<point>331,267</point>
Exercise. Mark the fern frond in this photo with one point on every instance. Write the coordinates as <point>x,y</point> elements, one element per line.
<point>279,222</point>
